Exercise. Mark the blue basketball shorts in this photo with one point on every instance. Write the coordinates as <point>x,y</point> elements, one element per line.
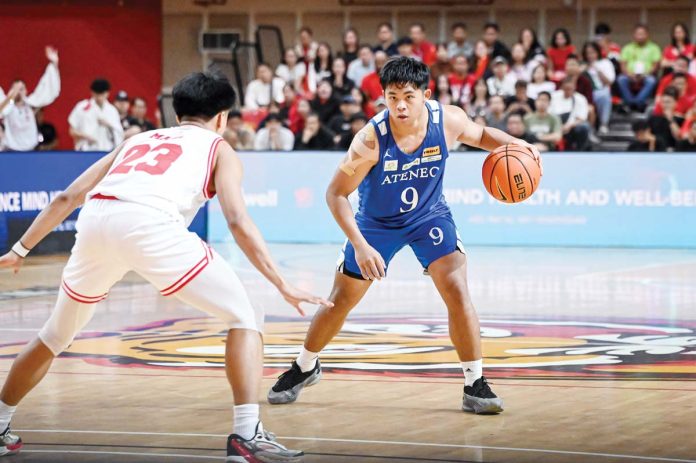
<point>430,240</point>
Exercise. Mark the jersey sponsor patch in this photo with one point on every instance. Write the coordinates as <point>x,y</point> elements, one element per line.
<point>415,162</point>
<point>391,166</point>
<point>432,151</point>
<point>432,158</point>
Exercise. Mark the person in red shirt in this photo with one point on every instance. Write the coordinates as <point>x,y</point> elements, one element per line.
<point>371,85</point>
<point>461,81</point>
<point>558,51</point>
<point>681,45</point>
<point>681,66</point>
<point>610,50</point>
<point>481,59</point>
<point>684,100</point>
<point>426,51</point>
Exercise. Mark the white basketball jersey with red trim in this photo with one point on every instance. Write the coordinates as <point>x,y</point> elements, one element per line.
<point>168,169</point>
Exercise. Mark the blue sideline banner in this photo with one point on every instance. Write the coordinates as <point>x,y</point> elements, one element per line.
<point>584,199</point>
<point>28,182</point>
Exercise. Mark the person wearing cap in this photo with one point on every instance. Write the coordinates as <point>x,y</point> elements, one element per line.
<point>122,105</point>
<point>357,122</point>
<point>502,82</point>
<point>274,137</point>
<point>95,124</point>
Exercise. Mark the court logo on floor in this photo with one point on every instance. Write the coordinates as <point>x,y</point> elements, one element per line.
<point>416,347</point>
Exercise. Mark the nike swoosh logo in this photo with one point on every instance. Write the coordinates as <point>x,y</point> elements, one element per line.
<point>497,185</point>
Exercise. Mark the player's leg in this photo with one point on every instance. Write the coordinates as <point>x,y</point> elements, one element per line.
<point>439,249</point>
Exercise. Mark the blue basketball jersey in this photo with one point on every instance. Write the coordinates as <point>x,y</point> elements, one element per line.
<point>405,189</point>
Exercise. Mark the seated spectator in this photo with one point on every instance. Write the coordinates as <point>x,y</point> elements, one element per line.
<point>521,68</point>
<point>516,128</point>
<point>688,143</point>
<point>546,127</point>
<point>258,92</point>
<point>684,99</point>
<point>405,47</point>
<point>539,83</point>
<point>559,50</point>
<point>314,136</point>
<point>136,121</point>
<point>645,140</point>
<point>573,110</point>
<point>495,116</point>
<point>601,71</point>
<point>351,42</point>
<point>424,50</point>
<point>363,102</point>
<point>689,117</point>
<point>459,45</point>
<point>496,48</point>
<point>298,117</point>
<point>341,84</point>
<point>680,66</point>
<point>325,104</point>
<point>274,137</point>
<point>478,103</point>
<point>371,84</point>
<point>481,60</point>
<point>122,105</point>
<point>583,82</point>
<point>520,101</point>
<point>502,82</point>
<point>322,63</point>
<point>291,70</point>
<point>364,65</point>
<point>290,103</point>
<point>443,93</point>
<point>680,46</point>
<point>47,133</point>
<point>609,50</point>
<point>357,122</point>
<point>385,40</point>
<point>94,123</point>
<point>237,134</point>
<point>461,82</point>
<point>532,47</point>
<point>442,64</point>
<point>340,123</point>
<point>667,124</point>
<point>639,61</point>
<point>306,47</point>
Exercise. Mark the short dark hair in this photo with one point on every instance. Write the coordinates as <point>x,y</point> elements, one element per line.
<point>385,24</point>
<point>672,92</point>
<point>641,26</point>
<point>677,75</point>
<point>602,29</point>
<point>365,45</point>
<point>544,93</point>
<point>202,94</point>
<point>683,58</point>
<point>418,25</point>
<point>234,113</point>
<point>640,125</point>
<point>573,56</point>
<point>458,25</point>
<point>564,32</point>
<point>307,30</point>
<point>515,113</point>
<point>491,24</point>
<point>594,46</point>
<point>404,41</point>
<point>521,84</point>
<point>402,70</point>
<point>100,85</point>
<point>568,80</point>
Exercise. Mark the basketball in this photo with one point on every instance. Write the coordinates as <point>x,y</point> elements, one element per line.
<point>511,174</point>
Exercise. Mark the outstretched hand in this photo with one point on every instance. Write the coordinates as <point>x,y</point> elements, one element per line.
<point>295,297</point>
<point>52,55</point>
<point>11,260</point>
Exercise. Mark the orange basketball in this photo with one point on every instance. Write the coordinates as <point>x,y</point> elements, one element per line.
<point>511,174</point>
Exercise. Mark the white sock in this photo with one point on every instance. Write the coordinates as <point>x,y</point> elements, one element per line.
<point>472,371</point>
<point>307,360</point>
<point>6,413</point>
<point>246,417</point>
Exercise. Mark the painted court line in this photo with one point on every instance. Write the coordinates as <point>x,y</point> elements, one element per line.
<point>129,454</point>
<point>360,441</point>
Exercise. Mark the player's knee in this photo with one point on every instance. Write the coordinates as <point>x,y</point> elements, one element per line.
<point>55,339</point>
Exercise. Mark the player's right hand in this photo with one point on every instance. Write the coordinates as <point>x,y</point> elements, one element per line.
<point>11,260</point>
<point>371,263</point>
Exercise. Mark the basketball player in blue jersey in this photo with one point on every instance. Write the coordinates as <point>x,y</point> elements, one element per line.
<point>397,163</point>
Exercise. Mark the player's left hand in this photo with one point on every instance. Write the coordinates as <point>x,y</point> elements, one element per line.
<point>535,153</point>
<point>295,297</point>
<point>11,260</point>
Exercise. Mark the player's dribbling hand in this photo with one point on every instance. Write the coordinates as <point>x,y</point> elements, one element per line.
<point>535,153</point>
<point>295,297</point>
<point>11,260</point>
<point>370,262</point>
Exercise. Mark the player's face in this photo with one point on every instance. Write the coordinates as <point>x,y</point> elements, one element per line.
<point>405,103</point>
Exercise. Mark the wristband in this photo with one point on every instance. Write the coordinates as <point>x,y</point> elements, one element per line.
<point>20,250</point>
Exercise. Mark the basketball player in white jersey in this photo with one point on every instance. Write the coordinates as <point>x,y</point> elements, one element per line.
<point>138,201</point>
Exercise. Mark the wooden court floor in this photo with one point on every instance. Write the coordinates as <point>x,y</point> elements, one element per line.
<point>592,350</point>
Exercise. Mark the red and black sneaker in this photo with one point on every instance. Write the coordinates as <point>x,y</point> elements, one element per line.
<point>9,443</point>
<point>262,448</point>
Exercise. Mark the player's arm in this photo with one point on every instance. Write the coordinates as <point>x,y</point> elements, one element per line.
<point>362,156</point>
<point>486,138</point>
<point>58,210</point>
<point>228,185</point>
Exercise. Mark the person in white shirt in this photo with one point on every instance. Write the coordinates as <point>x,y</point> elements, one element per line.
<point>459,45</point>
<point>539,83</point>
<point>18,109</point>
<point>95,124</point>
<point>603,74</point>
<point>291,70</point>
<point>572,108</point>
<point>364,65</point>
<point>264,89</point>
<point>274,137</point>
<point>502,82</point>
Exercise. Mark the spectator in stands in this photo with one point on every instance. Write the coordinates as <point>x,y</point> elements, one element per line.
<point>422,48</point>
<point>680,66</point>
<point>583,82</point>
<point>138,111</point>
<point>573,110</point>
<point>478,103</point>
<point>609,50</point>
<point>298,117</point>
<point>306,47</point>
<point>680,45</point>
<point>539,83</point>
<point>459,45</point>
<point>94,123</point>
<point>520,102</point>
<point>443,92</point>
<point>363,102</point>
<point>405,47</point>
<point>639,61</point>
<point>18,109</point>
<point>325,104</point>
<point>357,122</point>
<point>461,82</point>
<point>47,132</point>
<point>314,136</point>
<point>546,127</point>
<point>601,71</point>
<point>290,103</point>
<point>502,82</point>
<point>495,115</point>
<point>515,127</point>
<point>371,84</point>
<point>351,43</point>
<point>323,62</point>
<point>666,125</point>
<point>340,123</point>
<point>520,67</point>
<point>122,105</point>
<point>385,40</point>
<point>532,47</point>
<point>559,50</point>
<point>341,84</point>
<point>688,143</point>
<point>264,89</point>
<point>274,137</point>
<point>684,99</point>
<point>645,140</point>
<point>291,70</point>
<point>496,48</point>
<point>481,60</point>
<point>237,134</point>
<point>442,65</point>
<point>364,65</point>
